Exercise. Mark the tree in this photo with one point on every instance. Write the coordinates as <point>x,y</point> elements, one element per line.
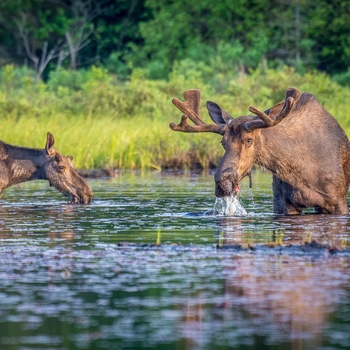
<point>79,24</point>
<point>48,30</point>
<point>34,31</point>
<point>37,51</point>
<point>180,29</point>
<point>117,36</point>
<point>329,27</point>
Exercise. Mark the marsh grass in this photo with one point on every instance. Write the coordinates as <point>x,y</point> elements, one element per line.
<point>105,123</point>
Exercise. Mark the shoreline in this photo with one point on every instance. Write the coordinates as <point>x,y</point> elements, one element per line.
<point>107,173</point>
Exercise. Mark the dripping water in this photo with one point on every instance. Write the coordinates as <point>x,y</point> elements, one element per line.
<point>229,206</point>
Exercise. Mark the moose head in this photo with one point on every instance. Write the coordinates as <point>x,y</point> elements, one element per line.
<point>20,164</point>
<point>60,173</point>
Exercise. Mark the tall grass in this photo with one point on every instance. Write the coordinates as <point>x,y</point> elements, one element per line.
<point>103,122</point>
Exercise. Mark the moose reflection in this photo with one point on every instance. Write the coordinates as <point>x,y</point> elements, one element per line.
<point>303,146</point>
<point>20,164</point>
<point>286,297</point>
<point>277,297</point>
<point>324,231</point>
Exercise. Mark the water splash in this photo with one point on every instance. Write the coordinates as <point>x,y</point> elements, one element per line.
<point>229,206</point>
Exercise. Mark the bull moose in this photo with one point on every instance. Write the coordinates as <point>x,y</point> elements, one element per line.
<point>20,164</point>
<point>303,146</point>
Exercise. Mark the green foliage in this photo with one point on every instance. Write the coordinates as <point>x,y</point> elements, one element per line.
<point>64,78</point>
<point>19,79</point>
<point>329,29</point>
<point>301,33</point>
<point>124,35</point>
<point>342,78</point>
<point>115,63</point>
<point>105,122</point>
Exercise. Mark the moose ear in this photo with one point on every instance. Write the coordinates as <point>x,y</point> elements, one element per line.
<point>273,111</point>
<point>49,144</point>
<point>217,114</point>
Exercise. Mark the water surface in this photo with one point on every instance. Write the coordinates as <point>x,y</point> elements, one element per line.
<point>148,265</point>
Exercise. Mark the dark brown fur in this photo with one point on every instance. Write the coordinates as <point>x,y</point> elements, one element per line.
<point>20,164</point>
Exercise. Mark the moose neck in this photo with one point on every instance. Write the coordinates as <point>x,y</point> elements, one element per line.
<point>277,155</point>
<point>25,164</point>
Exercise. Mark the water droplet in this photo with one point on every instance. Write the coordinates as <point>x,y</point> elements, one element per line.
<point>229,206</point>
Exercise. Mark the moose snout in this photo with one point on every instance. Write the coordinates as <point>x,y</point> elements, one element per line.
<point>225,183</point>
<point>81,199</point>
<point>85,197</point>
<point>81,194</point>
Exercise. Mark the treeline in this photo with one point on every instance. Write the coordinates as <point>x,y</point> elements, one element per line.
<point>153,35</point>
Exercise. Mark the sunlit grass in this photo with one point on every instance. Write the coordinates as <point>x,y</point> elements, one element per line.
<point>104,142</point>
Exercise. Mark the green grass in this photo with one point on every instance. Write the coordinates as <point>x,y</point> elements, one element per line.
<point>107,123</point>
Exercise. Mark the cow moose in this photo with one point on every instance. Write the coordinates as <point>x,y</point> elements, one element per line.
<point>20,164</point>
<point>303,146</point>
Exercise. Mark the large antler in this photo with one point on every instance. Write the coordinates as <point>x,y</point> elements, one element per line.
<point>273,118</point>
<point>190,108</point>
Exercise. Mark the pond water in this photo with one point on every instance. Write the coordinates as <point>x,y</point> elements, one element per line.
<point>149,266</point>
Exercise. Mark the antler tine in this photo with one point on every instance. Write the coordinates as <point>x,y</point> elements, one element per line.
<point>268,121</point>
<point>292,96</point>
<point>191,105</point>
<point>190,108</point>
<point>183,125</point>
<point>192,102</point>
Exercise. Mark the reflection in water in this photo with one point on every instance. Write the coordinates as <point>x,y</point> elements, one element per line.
<point>269,301</point>
<point>136,270</point>
<point>287,298</point>
<point>326,230</point>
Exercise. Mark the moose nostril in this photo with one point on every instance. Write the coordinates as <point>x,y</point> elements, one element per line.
<point>227,171</point>
<point>225,174</point>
